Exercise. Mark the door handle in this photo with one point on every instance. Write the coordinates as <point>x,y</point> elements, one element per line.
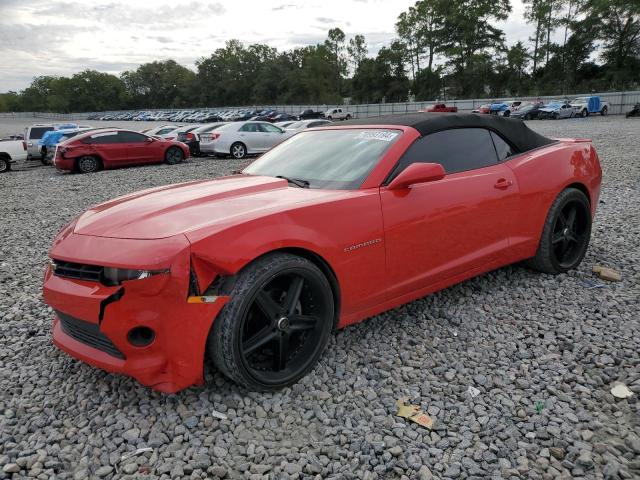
<point>503,183</point>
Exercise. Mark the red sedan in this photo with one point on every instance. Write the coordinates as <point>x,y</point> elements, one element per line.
<point>113,148</point>
<point>330,227</point>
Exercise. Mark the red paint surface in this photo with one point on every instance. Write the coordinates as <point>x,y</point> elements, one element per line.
<point>417,240</point>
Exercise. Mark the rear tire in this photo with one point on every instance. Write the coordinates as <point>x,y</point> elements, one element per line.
<point>88,164</point>
<point>604,111</point>
<point>276,324</point>
<point>565,234</point>
<point>507,113</point>
<point>238,150</point>
<point>348,117</point>
<point>173,156</point>
<point>5,165</point>
<point>584,113</point>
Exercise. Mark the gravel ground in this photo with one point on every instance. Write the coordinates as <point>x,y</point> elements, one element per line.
<point>521,338</point>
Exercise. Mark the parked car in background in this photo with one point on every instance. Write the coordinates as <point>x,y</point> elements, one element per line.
<point>282,117</point>
<point>585,106</point>
<point>51,138</point>
<point>310,114</point>
<point>162,131</point>
<point>634,112</point>
<point>240,139</point>
<point>555,110</point>
<point>484,109</point>
<point>284,124</point>
<point>529,111</point>
<point>113,148</point>
<point>202,133</point>
<point>439,107</point>
<point>337,114</point>
<point>12,151</point>
<point>32,135</point>
<point>504,108</point>
<point>304,124</point>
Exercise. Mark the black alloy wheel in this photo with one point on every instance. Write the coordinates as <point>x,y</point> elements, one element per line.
<point>276,325</point>
<point>174,156</point>
<point>566,233</point>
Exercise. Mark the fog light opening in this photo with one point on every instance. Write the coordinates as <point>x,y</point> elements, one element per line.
<point>141,336</point>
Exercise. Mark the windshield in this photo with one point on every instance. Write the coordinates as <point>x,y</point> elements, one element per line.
<point>334,159</point>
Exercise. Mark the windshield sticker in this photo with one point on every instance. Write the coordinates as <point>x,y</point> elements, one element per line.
<point>106,134</point>
<point>373,135</point>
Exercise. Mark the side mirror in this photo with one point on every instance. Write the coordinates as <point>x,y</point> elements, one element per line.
<point>417,173</point>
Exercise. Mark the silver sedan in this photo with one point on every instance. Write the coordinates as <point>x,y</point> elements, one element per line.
<point>240,139</point>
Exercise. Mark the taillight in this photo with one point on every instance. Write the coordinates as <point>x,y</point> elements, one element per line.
<point>215,136</point>
<point>189,136</point>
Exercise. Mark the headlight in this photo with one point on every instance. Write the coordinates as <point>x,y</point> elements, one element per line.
<point>115,276</point>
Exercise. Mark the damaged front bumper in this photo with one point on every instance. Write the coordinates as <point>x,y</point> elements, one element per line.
<point>146,328</point>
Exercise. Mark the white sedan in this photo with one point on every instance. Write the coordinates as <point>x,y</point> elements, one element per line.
<point>240,139</point>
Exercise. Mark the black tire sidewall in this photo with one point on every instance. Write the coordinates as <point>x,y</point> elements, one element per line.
<point>5,165</point>
<point>244,147</point>
<point>173,149</point>
<point>545,260</point>
<point>223,344</point>
<point>78,163</point>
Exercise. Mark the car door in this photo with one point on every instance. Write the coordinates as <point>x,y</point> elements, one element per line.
<point>272,135</point>
<point>442,229</point>
<point>252,136</point>
<point>109,147</point>
<point>140,148</point>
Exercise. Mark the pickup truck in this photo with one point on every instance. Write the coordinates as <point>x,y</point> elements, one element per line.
<point>309,114</point>
<point>584,106</point>
<point>440,107</point>
<point>12,151</point>
<point>337,114</point>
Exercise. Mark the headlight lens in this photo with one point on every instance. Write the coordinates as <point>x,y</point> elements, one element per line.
<point>115,276</point>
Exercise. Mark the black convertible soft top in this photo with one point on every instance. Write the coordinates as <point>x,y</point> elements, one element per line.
<point>513,130</point>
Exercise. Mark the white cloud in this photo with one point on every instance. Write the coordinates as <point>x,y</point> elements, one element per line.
<point>49,37</point>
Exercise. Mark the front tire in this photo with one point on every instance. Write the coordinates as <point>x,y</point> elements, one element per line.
<point>173,156</point>
<point>238,150</point>
<point>565,235</point>
<point>88,164</point>
<point>5,165</point>
<point>276,325</point>
<point>507,113</point>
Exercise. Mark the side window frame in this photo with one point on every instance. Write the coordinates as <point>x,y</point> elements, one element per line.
<point>398,168</point>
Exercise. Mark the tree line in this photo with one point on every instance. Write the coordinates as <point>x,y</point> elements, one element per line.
<point>443,49</point>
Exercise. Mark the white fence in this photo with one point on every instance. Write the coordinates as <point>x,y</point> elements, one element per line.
<point>619,103</point>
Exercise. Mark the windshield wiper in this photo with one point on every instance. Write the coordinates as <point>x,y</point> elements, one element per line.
<point>295,181</point>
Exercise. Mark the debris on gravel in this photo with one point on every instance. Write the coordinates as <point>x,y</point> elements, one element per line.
<point>542,352</point>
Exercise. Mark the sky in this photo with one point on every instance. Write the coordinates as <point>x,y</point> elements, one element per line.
<point>63,37</point>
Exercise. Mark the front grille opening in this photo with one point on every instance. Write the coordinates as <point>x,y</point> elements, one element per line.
<point>89,334</point>
<point>78,271</point>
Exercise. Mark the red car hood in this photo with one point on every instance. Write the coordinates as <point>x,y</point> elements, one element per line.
<point>174,209</point>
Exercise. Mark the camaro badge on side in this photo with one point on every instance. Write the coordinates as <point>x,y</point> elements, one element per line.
<point>351,248</point>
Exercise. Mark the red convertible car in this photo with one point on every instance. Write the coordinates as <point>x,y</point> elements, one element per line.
<point>334,225</point>
<point>113,148</point>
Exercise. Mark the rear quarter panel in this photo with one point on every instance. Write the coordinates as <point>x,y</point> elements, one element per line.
<point>541,175</point>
